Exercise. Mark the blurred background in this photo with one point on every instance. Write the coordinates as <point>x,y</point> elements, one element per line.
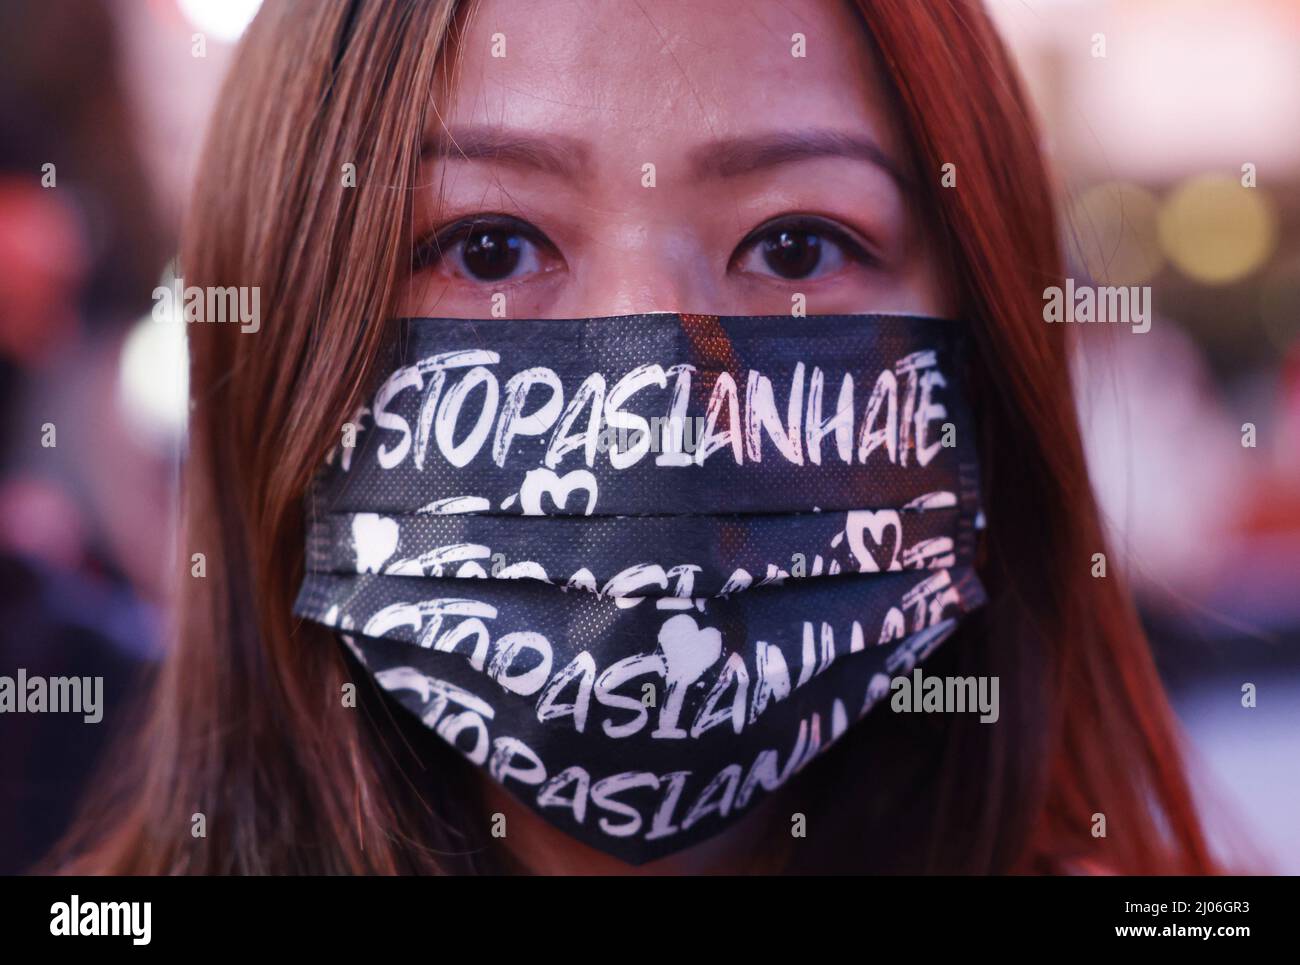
<point>1174,130</point>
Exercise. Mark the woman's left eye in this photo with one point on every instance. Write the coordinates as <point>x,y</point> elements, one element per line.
<point>798,248</point>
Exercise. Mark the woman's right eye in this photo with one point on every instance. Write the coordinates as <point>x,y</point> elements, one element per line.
<point>486,249</point>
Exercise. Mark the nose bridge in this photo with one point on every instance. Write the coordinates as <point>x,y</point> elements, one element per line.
<point>645,263</point>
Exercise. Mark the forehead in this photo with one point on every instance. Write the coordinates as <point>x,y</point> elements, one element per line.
<point>631,76</point>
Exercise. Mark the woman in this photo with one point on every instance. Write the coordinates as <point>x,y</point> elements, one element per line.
<point>491,160</point>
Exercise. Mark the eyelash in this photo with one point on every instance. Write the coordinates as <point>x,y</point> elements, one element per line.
<point>812,224</point>
<point>428,250</point>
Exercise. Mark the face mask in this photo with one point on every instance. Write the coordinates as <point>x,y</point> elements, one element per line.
<point>642,569</point>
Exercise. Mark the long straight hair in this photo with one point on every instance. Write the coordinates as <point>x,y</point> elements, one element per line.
<point>245,725</point>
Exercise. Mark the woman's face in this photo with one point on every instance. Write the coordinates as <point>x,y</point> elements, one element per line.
<point>603,158</point>
<point>774,175</point>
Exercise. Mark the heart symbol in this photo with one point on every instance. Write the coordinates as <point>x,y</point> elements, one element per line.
<point>375,539</point>
<point>688,649</point>
<point>544,481</point>
<point>863,521</point>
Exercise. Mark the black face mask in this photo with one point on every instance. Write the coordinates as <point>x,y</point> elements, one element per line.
<point>644,568</point>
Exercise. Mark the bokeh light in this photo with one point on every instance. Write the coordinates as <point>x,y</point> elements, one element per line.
<point>153,381</point>
<point>1215,230</point>
<point>225,20</point>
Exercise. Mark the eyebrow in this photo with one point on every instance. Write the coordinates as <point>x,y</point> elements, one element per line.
<point>554,154</point>
<point>733,157</point>
<point>568,157</point>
